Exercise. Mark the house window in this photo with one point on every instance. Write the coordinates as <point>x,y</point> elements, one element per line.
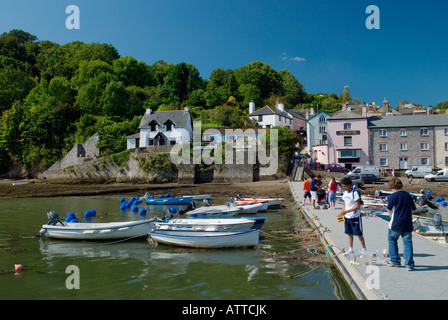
<point>383,132</point>
<point>383,162</point>
<point>168,126</point>
<point>403,146</point>
<point>424,132</point>
<point>347,126</point>
<point>322,119</point>
<point>402,132</point>
<point>383,146</point>
<point>260,118</point>
<point>153,126</point>
<point>446,146</point>
<point>424,146</point>
<point>347,141</point>
<point>446,131</point>
<point>348,153</point>
<point>424,161</point>
<point>446,161</point>
<point>322,129</point>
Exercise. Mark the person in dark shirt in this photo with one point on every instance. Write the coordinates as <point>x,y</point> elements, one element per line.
<point>315,184</point>
<point>400,207</point>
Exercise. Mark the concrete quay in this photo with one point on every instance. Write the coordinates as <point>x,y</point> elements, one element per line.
<point>374,280</point>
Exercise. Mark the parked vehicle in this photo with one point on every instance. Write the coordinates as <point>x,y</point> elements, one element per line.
<point>336,168</point>
<point>418,171</point>
<point>365,170</point>
<point>369,178</point>
<point>356,180</point>
<point>441,175</point>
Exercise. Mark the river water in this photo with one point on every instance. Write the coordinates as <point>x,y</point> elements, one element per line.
<point>277,269</point>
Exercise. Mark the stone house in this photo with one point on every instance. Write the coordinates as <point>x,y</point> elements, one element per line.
<point>403,141</point>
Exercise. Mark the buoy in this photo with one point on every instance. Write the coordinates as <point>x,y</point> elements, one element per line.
<point>122,200</point>
<point>70,216</point>
<point>134,209</point>
<point>142,211</point>
<point>18,267</point>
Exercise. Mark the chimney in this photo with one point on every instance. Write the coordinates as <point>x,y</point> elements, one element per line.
<point>251,106</point>
<point>364,111</point>
<point>148,111</point>
<point>186,109</point>
<point>281,106</point>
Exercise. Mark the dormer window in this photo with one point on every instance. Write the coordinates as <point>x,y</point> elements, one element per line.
<point>169,125</point>
<point>153,125</point>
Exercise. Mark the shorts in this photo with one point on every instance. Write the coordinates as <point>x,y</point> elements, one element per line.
<point>307,194</point>
<point>332,196</point>
<point>353,226</point>
<point>313,195</point>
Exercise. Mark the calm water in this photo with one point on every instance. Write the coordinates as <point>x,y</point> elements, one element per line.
<point>136,269</point>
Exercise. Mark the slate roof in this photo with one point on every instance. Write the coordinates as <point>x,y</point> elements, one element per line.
<point>178,117</point>
<point>267,110</point>
<point>430,120</point>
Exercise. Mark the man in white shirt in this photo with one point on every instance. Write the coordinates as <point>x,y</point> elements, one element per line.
<point>352,214</point>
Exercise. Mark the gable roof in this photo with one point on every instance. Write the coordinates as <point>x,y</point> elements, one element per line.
<point>346,114</point>
<point>319,114</point>
<point>267,110</point>
<point>297,113</point>
<point>178,117</point>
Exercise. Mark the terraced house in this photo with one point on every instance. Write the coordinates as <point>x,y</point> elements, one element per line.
<point>402,141</point>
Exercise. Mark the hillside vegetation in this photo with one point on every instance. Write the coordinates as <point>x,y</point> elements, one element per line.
<point>53,96</point>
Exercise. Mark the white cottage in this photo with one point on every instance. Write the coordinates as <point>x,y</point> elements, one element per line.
<point>162,128</point>
<point>268,117</point>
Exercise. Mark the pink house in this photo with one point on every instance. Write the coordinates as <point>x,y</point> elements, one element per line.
<point>348,140</point>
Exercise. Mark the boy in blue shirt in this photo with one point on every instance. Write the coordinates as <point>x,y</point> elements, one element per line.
<point>400,207</point>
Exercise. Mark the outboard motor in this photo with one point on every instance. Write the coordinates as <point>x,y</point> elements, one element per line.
<point>438,220</point>
<point>53,218</point>
<point>206,203</point>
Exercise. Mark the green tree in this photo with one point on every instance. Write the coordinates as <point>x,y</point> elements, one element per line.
<point>262,76</point>
<point>113,99</point>
<point>292,90</point>
<point>132,72</point>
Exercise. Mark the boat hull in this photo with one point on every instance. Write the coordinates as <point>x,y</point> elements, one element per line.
<point>201,224</point>
<point>214,211</point>
<point>169,201</point>
<point>207,239</point>
<point>273,203</point>
<point>99,231</point>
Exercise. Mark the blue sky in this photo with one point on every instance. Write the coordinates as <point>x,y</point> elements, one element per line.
<point>324,43</point>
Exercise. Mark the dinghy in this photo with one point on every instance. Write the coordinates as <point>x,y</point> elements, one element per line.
<point>95,231</point>
<point>206,239</point>
<point>211,224</point>
<point>273,203</point>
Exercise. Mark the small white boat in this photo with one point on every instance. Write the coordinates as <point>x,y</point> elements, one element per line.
<point>264,204</point>
<point>207,239</point>
<point>97,231</point>
<point>215,211</point>
<point>273,203</point>
<point>211,224</point>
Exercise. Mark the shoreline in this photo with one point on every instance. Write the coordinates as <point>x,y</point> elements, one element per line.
<point>38,188</point>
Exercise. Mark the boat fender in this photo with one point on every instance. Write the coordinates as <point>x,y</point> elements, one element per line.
<point>70,216</point>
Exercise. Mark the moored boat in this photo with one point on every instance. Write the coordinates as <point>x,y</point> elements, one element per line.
<point>219,210</point>
<point>98,231</point>
<point>211,224</point>
<point>168,200</point>
<point>207,239</point>
<point>273,203</point>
